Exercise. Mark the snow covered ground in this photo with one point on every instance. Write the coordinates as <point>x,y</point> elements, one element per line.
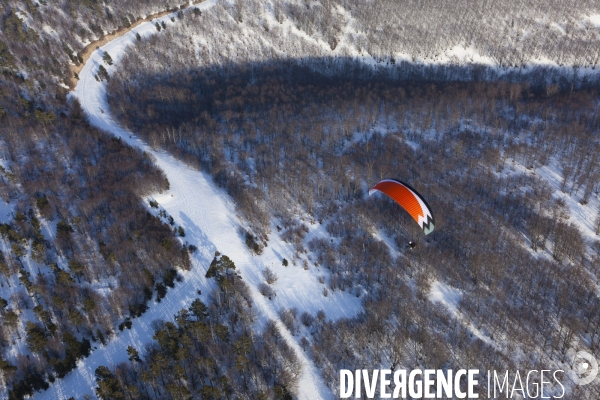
<point>6,211</point>
<point>450,297</point>
<point>208,216</point>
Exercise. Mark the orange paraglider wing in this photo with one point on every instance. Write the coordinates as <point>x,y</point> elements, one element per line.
<point>410,200</point>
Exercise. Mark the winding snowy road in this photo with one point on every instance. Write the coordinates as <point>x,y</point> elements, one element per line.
<point>210,222</point>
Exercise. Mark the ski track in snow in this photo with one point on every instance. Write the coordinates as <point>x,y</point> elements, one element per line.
<point>210,222</point>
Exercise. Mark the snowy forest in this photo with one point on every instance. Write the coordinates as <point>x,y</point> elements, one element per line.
<point>295,108</point>
<point>302,130</point>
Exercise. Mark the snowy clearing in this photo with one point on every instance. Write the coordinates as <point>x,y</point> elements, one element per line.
<point>450,297</point>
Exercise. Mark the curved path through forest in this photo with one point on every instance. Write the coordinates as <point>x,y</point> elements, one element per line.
<point>109,37</point>
<point>210,222</point>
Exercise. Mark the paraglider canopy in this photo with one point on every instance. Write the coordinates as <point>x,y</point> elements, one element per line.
<point>409,199</point>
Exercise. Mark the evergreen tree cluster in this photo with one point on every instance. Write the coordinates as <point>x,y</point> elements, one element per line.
<point>209,351</point>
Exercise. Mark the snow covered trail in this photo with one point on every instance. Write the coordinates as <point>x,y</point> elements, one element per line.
<point>210,222</point>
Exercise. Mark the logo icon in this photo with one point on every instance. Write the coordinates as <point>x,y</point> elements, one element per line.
<point>584,368</point>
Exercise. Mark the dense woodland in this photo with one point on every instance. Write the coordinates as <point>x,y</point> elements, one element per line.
<point>80,255</point>
<point>208,352</point>
<point>508,34</point>
<point>462,143</point>
<point>253,95</point>
<point>301,137</point>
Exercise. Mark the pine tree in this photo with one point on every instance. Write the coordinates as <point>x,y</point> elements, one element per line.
<point>133,354</point>
<point>88,304</point>
<point>11,319</point>
<point>220,267</point>
<point>76,317</point>
<point>76,268</point>
<point>102,73</point>
<point>64,278</point>
<point>212,269</point>
<point>38,252</point>
<point>107,58</point>
<point>6,366</point>
<point>17,250</point>
<point>36,337</point>
<point>42,203</point>
<point>199,309</point>
<point>108,385</point>
<point>63,227</point>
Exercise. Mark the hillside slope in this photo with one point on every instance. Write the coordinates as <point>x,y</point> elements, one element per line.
<point>211,224</point>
